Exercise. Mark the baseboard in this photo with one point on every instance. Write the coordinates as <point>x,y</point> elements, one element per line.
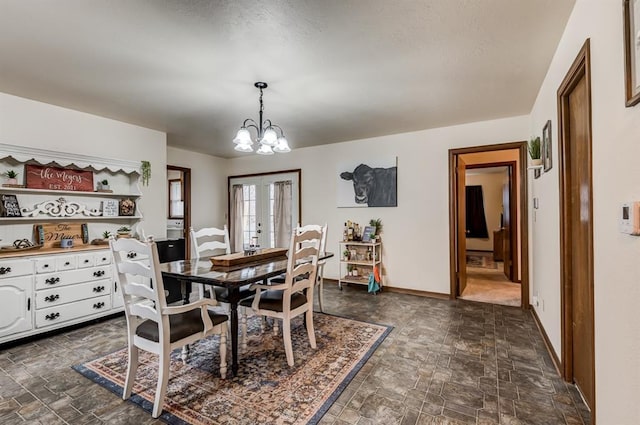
<point>547,342</point>
<point>404,291</point>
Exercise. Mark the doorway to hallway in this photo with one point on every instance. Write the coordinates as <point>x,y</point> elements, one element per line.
<point>487,222</point>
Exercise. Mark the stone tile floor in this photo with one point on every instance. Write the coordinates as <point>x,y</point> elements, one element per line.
<point>445,362</point>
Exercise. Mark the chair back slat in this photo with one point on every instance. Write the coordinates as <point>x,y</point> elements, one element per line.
<point>140,280</point>
<point>208,239</point>
<point>303,258</point>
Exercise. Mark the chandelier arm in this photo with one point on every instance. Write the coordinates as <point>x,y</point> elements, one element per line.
<point>249,120</point>
<point>278,127</point>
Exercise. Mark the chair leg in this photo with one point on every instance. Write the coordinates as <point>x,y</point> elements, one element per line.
<point>223,352</point>
<point>163,379</point>
<point>185,353</point>
<point>310,330</point>
<point>320,293</point>
<point>286,336</point>
<point>276,328</point>
<point>243,328</point>
<point>132,367</point>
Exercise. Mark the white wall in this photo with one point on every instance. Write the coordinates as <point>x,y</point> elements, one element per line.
<point>208,186</point>
<point>416,233</point>
<point>616,177</point>
<point>492,184</point>
<point>26,122</point>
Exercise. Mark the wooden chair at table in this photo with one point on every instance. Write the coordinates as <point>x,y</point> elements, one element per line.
<point>295,296</point>
<point>321,263</point>
<point>208,245</point>
<point>151,324</point>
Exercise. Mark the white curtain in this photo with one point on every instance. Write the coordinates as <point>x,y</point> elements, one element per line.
<point>237,211</point>
<point>282,195</point>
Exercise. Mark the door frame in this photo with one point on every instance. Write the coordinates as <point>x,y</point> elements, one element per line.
<point>522,206</point>
<point>186,196</point>
<point>581,67</point>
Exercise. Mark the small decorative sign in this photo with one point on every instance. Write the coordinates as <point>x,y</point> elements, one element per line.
<point>110,208</point>
<point>368,233</point>
<point>127,207</point>
<point>50,235</point>
<point>54,178</point>
<point>9,206</point>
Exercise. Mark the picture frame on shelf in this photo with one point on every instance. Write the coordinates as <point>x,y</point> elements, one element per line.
<point>110,208</point>
<point>368,233</point>
<point>632,51</point>
<point>547,157</point>
<point>9,206</point>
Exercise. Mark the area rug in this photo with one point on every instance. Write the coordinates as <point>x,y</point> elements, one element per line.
<point>481,259</point>
<point>266,390</point>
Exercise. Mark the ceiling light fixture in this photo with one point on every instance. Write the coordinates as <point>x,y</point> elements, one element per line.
<point>267,133</point>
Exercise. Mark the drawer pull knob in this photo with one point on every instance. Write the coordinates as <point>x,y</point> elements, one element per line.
<point>5,270</point>
<point>99,305</point>
<point>132,255</point>
<point>45,266</point>
<point>67,263</point>
<point>52,316</point>
<point>98,273</point>
<point>52,280</point>
<point>98,289</point>
<point>104,258</point>
<point>86,261</point>
<point>51,298</point>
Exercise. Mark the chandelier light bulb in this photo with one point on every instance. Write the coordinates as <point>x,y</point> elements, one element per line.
<point>243,137</point>
<point>265,150</point>
<point>244,147</point>
<point>282,146</point>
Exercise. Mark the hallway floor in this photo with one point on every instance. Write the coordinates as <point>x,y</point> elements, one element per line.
<point>491,286</point>
<point>445,362</point>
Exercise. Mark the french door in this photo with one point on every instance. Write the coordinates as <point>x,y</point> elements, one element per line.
<point>258,214</point>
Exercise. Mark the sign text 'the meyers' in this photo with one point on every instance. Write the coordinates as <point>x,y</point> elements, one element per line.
<point>54,178</point>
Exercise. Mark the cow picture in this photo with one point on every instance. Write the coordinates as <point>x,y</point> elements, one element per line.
<point>370,187</point>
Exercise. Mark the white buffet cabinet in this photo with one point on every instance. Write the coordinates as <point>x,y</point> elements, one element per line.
<point>40,293</point>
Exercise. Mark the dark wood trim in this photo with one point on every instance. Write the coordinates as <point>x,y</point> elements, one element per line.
<point>268,173</point>
<point>581,67</point>
<point>186,191</point>
<point>416,292</point>
<point>523,207</point>
<point>629,42</point>
<point>547,342</point>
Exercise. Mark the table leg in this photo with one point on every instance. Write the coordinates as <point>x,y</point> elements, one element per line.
<point>233,297</point>
<point>185,300</point>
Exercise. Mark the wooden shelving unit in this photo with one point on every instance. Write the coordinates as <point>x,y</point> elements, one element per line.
<point>363,257</point>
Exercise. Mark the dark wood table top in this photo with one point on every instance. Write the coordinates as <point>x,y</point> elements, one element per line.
<point>203,271</point>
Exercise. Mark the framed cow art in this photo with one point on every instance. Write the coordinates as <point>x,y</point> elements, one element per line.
<point>369,183</point>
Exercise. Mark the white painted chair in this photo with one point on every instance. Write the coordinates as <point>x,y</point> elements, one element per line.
<point>204,240</point>
<point>151,324</point>
<point>295,296</point>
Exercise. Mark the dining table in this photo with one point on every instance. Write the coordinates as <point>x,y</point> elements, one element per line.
<point>232,278</point>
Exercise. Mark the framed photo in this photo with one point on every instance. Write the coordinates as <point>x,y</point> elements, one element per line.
<point>547,157</point>
<point>370,182</point>
<point>367,233</point>
<point>127,207</point>
<point>632,51</point>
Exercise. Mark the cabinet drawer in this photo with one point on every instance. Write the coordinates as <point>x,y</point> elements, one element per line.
<point>14,267</point>
<point>45,265</point>
<point>102,258</point>
<point>54,280</point>
<point>67,262</point>
<point>70,293</point>
<point>64,312</point>
<point>86,260</point>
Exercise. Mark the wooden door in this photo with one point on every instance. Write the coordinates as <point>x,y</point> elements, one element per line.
<point>461,170</point>
<point>576,223</point>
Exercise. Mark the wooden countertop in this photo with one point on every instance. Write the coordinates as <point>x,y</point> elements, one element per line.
<point>47,251</point>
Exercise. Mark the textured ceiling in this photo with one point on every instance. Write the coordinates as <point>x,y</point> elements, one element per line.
<point>337,69</point>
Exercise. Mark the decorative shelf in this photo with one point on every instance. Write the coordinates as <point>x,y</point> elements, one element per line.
<point>46,218</point>
<point>360,263</point>
<point>25,190</point>
<point>355,279</point>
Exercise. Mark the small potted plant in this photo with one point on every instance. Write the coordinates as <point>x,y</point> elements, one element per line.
<point>349,269</point>
<point>534,152</point>
<point>377,223</point>
<point>106,235</point>
<point>345,254</point>
<point>124,232</point>
<point>11,177</point>
<point>103,185</point>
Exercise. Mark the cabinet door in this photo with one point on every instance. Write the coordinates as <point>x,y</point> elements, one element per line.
<point>15,304</point>
<point>116,301</point>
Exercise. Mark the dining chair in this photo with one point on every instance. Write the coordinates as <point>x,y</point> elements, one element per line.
<point>294,297</point>
<point>321,263</point>
<point>202,242</point>
<point>151,324</point>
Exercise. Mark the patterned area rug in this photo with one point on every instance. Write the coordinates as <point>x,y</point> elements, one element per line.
<point>266,390</point>
<point>481,259</point>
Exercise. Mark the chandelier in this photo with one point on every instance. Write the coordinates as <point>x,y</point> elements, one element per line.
<point>267,133</point>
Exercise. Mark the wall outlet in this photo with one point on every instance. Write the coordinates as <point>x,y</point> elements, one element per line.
<point>536,302</point>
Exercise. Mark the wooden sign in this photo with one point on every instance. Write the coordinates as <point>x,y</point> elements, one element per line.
<point>9,206</point>
<point>54,178</point>
<point>50,234</point>
<point>110,208</point>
